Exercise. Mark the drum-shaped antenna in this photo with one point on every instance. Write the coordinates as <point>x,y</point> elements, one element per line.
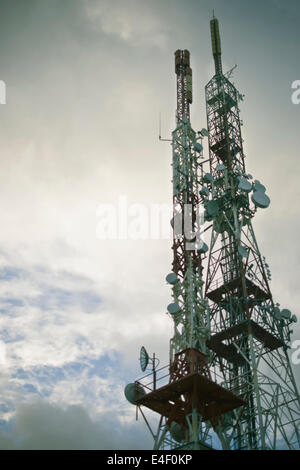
<point>198,147</point>
<point>172,278</point>
<point>202,248</point>
<point>242,251</point>
<point>204,132</point>
<point>245,185</point>
<point>277,313</point>
<point>173,308</point>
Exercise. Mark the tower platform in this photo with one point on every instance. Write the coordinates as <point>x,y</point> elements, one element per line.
<point>229,352</point>
<point>178,398</point>
<point>229,287</point>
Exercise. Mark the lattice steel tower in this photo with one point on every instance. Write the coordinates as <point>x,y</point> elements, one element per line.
<point>229,383</point>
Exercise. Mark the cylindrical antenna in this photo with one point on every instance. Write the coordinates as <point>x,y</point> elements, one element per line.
<point>184,84</point>
<point>216,44</point>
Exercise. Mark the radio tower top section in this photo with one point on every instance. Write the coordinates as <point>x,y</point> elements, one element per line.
<point>216,44</point>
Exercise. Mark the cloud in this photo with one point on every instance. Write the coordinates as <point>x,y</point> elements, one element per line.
<point>133,21</point>
<point>44,426</point>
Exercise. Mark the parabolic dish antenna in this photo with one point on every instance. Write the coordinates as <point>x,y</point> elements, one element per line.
<point>258,186</point>
<point>173,308</point>
<point>144,358</point>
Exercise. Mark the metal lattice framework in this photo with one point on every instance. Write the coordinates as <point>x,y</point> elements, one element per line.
<point>189,328</point>
<point>249,337</point>
<point>229,383</point>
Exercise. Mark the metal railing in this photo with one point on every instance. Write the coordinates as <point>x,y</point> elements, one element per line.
<point>161,377</point>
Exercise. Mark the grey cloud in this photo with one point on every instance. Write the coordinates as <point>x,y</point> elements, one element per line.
<point>44,426</point>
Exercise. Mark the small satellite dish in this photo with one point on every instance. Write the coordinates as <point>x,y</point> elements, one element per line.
<point>204,132</point>
<point>189,238</point>
<point>242,251</point>
<point>204,191</point>
<point>173,308</point>
<point>258,186</point>
<point>176,221</point>
<point>212,208</point>
<point>208,178</point>
<point>277,313</point>
<point>176,432</point>
<point>203,248</point>
<point>220,167</point>
<point>172,278</point>
<point>134,392</point>
<point>144,358</point>
<point>198,147</point>
<point>286,314</point>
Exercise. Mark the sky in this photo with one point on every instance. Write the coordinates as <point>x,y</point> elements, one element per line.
<point>85,83</point>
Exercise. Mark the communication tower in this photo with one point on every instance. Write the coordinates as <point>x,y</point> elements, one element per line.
<point>229,383</point>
